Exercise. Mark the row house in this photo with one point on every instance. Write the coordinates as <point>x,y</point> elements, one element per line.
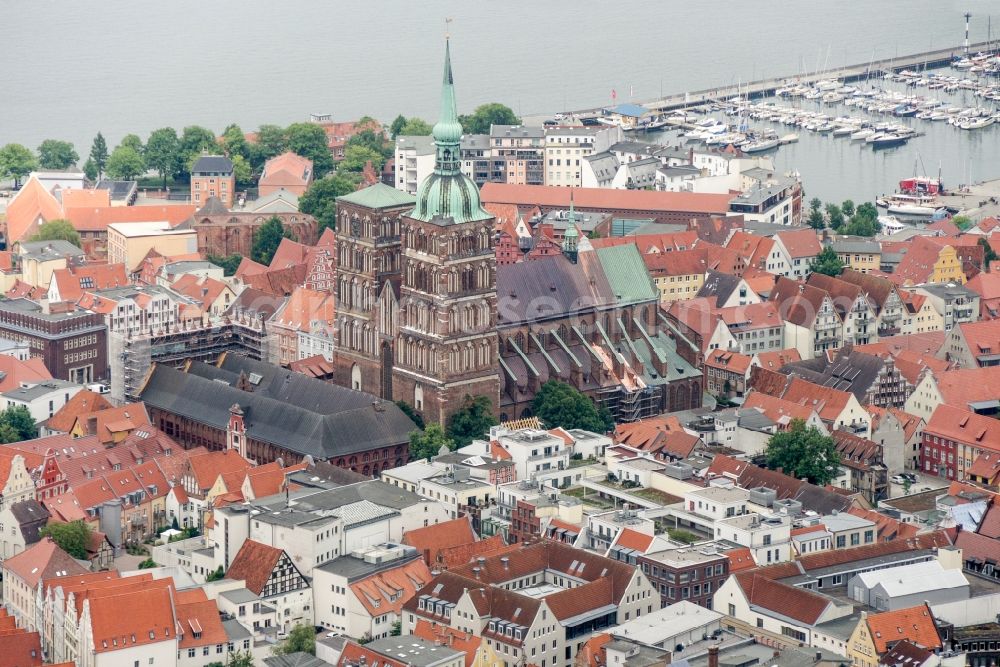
<point>954,302</point>
<point>726,373</point>
<point>539,607</point>
<point>801,247</point>
<point>852,305</point>
<point>270,574</point>
<point>691,574</point>
<point>883,297</point>
<point>812,323</point>
<point>862,461</point>
<point>837,409</point>
<point>858,253</point>
<point>972,344</point>
<point>954,438</point>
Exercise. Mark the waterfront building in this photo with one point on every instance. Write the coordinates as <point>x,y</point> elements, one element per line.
<point>212,176</point>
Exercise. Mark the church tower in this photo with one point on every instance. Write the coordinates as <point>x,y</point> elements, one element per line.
<point>447,342</point>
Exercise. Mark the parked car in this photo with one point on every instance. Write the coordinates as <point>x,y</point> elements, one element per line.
<point>898,479</point>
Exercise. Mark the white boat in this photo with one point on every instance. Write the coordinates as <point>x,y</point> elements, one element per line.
<point>862,135</point>
<point>914,210</point>
<point>890,224</point>
<point>978,123</point>
<point>788,139</point>
<point>760,145</point>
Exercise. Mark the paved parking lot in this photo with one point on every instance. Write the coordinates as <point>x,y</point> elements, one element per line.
<point>923,483</point>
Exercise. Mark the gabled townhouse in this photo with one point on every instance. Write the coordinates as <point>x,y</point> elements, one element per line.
<point>304,312</point>
<point>539,606</point>
<point>212,297</point>
<point>761,252</point>
<point>362,594</point>
<point>202,472</point>
<point>883,297</point>
<point>876,634</point>
<point>727,290</point>
<point>726,373</point>
<point>858,253</point>
<point>755,327</point>
<point>783,412</point>
<point>919,314</point>
<point>973,389</point>
<point>801,247</point>
<point>84,402</point>
<point>838,409</point>
<point>23,572</point>
<point>899,434</point>
<point>925,261</point>
<point>270,574</point>
<point>972,344</point>
<point>954,438</point>
<point>812,324</point>
<point>873,380</point>
<point>853,306</point>
<point>70,283</point>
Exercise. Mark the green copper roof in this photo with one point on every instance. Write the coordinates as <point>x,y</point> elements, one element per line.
<point>627,274</point>
<point>379,195</point>
<point>448,196</point>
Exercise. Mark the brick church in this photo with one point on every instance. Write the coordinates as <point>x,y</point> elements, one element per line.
<point>419,319</point>
<point>416,285</point>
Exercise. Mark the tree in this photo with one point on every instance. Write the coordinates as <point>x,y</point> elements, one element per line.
<point>989,255</point>
<point>163,152</point>
<point>835,216</point>
<point>20,422</point>
<point>267,239</point>
<point>302,638</point>
<point>234,143</point>
<point>16,162</point>
<point>411,413</point>
<point>271,141</point>
<point>240,659</point>
<point>416,127</point>
<point>816,219</point>
<point>827,263</point>
<point>215,575</point>
<point>242,171</point>
<point>228,263</point>
<point>395,129</point>
<point>427,443</point>
<point>319,200</point>
<point>356,157</point>
<point>90,169</point>
<point>803,452</point>
<point>125,163</point>
<point>134,142</point>
<point>99,153</point>
<point>309,140</point>
<point>55,154</point>
<point>560,404</point>
<point>815,204</point>
<point>485,115</point>
<point>963,222</point>
<point>71,537</point>
<point>847,208</point>
<point>195,140</point>
<point>472,420</point>
<point>147,564</point>
<point>371,140</point>
<point>58,230</point>
<point>864,221</point>
<point>396,629</point>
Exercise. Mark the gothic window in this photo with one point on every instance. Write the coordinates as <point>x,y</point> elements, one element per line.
<point>418,397</point>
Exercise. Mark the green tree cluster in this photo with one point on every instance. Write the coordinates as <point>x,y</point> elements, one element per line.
<point>827,263</point>
<point>126,162</point>
<point>71,537</point>
<point>835,216</point>
<point>486,115</point>
<point>56,154</point>
<point>803,451</point>
<point>17,424</point>
<point>409,127</point>
<point>428,442</point>
<point>963,222</point>
<point>408,410</point>
<point>472,420</point>
<point>319,200</point>
<point>98,154</point>
<point>57,230</point>
<point>267,239</point>
<point>863,220</point>
<point>561,404</point>
<point>16,162</point>
<point>229,263</point>
<point>309,140</point>
<point>301,639</point>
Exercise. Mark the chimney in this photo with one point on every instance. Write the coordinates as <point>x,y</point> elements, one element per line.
<point>713,656</point>
<point>506,562</point>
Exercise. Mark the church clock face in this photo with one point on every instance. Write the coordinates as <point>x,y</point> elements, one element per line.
<point>356,227</point>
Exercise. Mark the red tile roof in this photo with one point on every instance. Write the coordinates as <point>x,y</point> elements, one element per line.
<point>201,616</point>
<point>605,200</point>
<point>962,425</point>
<point>801,243</point>
<point>135,618</point>
<point>41,560</point>
<point>917,264</point>
<point>443,635</point>
<point>775,359</point>
<point>791,601</point>
<point>740,559</point>
<point>97,219</point>
<point>633,539</point>
<point>829,403</point>
<point>388,590</point>
<point>289,171</point>
<point>430,540</point>
<point>461,554</point>
<point>20,648</point>
<point>82,198</point>
<point>32,204</point>
<point>73,280</point>
<point>253,564</point>
<point>84,402</point>
<point>207,467</point>
<point>730,361</point>
<point>14,372</point>
<point>986,466</point>
<point>913,623</point>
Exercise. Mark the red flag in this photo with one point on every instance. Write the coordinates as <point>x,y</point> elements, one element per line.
<point>614,94</point>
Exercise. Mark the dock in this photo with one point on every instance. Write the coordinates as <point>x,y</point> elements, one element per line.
<point>767,87</point>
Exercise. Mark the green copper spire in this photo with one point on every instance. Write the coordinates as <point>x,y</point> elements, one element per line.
<point>448,196</point>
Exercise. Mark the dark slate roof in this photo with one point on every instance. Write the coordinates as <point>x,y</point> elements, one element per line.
<point>213,206</point>
<point>718,286</point>
<point>117,190</point>
<point>292,411</point>
<point>295,660</point>
<point>31,517</point>
<point>212,164</point>
<point>852,371</point>
<point>552,287</point>
<point>253,301</point>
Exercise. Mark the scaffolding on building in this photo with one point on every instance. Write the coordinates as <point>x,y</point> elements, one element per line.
<point>133,356</point>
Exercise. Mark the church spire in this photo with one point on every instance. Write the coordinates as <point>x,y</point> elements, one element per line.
<point>447,131</point>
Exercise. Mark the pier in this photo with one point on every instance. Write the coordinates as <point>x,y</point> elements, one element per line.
<point>848,74</point>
